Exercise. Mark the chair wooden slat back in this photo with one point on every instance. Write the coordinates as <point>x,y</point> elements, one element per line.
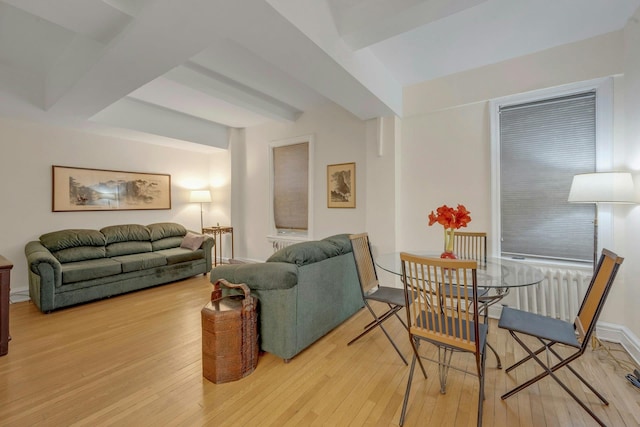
<point>596,295</point>
<point>470,245</point>
<point>427,283</point>
<point>364,262</point>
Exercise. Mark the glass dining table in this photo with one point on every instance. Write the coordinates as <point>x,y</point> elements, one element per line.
<point>496,275</point>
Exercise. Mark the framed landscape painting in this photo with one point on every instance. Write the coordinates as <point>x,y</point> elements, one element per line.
<point>82,189</point>
<point>341,185</point>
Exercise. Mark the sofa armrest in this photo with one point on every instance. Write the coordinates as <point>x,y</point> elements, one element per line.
<point>40,258</point>
<point>45,275</point>
<point>258,276</point>
<point>207,246</point>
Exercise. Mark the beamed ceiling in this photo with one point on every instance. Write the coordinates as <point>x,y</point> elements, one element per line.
<point>184,71</point>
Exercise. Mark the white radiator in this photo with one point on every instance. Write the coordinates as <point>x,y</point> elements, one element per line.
<point>279,242</point>
<point>559,295</point>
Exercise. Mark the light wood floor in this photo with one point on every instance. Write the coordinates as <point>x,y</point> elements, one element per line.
<point>135,360</point>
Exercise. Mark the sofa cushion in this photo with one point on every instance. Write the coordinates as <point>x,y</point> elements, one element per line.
<point>80,253</point>
<point>126,233</point>
<point>166,243</point>
<point>192,241</point>
<point>127,248</point>
<point>64,239</point>
<point>162,230</point>
<point>341,241</point>
<point>73,272</point>
<point>178,255</point>
<point>304,253</point>
<point>142,261</point>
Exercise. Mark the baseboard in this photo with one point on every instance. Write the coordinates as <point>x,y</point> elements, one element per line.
<point>612,332</point>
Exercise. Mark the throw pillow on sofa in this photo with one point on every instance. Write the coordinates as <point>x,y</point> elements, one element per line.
<point>192,241</point>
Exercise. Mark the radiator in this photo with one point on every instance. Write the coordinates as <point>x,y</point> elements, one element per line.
<point>279,242</point>
<point>559,295</point>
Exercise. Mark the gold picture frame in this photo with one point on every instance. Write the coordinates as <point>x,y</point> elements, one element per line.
<point>341,185</point>
<point>82,189</point>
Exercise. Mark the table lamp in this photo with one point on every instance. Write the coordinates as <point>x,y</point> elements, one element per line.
<point>200,196</point>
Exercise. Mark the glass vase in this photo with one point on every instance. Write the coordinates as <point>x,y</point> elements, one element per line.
<point>449,234</point>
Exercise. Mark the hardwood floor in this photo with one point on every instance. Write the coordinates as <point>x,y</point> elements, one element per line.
<point>135,360</point>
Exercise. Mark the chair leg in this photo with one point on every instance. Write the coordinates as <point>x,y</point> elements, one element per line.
<point>415,343</point>
<point>378,322</point>
<point>589,386</point>
<point>528,357</point>
<point>408,389</point>
<point>444,363</point>
<point>393,344</point>
<point>392,310</point>
<point>495,353</point>
<point>480,366</point>
<point>549,371</point>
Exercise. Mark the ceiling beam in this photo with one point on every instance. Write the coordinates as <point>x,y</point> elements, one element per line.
<point>133,114</point>
<point>368,23</point>
<point>161,37</point>
<point>196,76</point>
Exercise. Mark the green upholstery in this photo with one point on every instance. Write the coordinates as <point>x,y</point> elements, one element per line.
<point>80,253</point>
<point>90,269</point>
<point>162,230</point>
<point>143,261</point>
<point>69,267</point>
<point>126,233</point>
<point>304,291</point>
<point>63,239</point>
<point>178,255</point>
<point>166,243</point>
<point>127,248</point>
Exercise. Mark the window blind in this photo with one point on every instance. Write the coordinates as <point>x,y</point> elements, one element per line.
<point>291,186</point>
<point>543,144</point>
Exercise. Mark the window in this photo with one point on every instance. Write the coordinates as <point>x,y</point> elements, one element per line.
<point>540,142</point>
<point>291,188</point>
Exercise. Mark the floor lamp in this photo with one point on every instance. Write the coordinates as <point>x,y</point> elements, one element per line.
<point>200,196</point>
<point>601,188</point>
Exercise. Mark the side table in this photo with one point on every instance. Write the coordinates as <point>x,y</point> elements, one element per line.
<point>5,281</point>
<point>218,231</point>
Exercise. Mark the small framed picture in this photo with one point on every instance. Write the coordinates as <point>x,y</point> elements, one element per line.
<point>341,185</point>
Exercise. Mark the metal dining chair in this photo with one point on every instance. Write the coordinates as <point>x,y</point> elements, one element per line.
<point>372,291</point>
<point>551,331</point>
<point>452,328</point>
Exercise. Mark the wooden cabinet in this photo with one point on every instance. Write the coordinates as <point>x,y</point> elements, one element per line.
<point>5,280</point>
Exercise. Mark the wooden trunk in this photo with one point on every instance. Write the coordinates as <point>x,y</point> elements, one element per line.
<point>229,338</point>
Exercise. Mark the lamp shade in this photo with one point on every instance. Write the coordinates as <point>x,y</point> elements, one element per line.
<point>602,187</point>
<point>200,196</point>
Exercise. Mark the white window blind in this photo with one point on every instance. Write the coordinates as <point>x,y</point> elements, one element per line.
<point>290,186</point>
<point>543,144</point>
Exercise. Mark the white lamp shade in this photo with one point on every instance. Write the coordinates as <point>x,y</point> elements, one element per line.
<point>602,187</point>
<point>200,196</point>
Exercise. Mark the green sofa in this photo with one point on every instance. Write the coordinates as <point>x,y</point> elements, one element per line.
<point>304,291</point>
<point>69,267</point>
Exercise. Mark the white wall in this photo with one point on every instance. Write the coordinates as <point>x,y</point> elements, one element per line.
<point>628,306</point>
<point>28,152</point>
<point>339,137</point>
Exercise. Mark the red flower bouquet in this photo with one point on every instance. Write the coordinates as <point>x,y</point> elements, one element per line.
<point>451,219</point>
